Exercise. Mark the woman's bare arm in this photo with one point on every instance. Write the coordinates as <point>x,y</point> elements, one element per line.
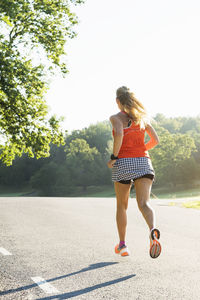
<point>118,133</point>
<point>154,139</point>
<point>118,137</point>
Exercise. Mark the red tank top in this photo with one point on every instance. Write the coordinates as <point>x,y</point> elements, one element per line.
<point>133,142</point>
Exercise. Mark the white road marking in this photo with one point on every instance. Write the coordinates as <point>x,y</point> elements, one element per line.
<point>45,286</point>
<point>4,251</point>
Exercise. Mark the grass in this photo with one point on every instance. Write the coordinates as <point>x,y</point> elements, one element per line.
<point>15,192</point>
<point>174,194</point>
<point>161,193</point>
<point>96,192</point>
<point>108,192</point>
<point>188,204</point>
<point>192,204</point>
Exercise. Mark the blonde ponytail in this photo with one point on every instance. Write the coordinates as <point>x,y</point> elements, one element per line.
<point>132,106</point>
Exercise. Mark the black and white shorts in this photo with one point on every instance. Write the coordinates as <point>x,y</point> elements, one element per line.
<point>129,169</point>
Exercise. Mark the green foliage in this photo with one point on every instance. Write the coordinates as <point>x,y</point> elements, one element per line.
<point>85,164</point>
<point>80,164</point>
<point>96,135</point>
<point>169,155</point>
<point>33,32</point>
<point>179,124</point>
<point>48,173</point>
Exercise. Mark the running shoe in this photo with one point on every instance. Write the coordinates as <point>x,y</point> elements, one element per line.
<point>123,251</point>
<point>155,247</point>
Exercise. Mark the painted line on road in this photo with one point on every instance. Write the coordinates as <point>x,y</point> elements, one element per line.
<point>45,286</point>
<point>4,251</point>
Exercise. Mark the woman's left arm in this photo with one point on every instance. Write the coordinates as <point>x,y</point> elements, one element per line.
<point>118,137</point>
<point>154,139</point>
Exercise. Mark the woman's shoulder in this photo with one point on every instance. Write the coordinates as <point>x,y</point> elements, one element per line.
<point>116,121</point>
<point>115,117</point>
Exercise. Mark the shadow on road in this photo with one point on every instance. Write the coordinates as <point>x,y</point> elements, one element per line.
<point>74,293</point>
<point>88,289</point>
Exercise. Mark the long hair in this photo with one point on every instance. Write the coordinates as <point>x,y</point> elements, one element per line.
<point>132,106</point>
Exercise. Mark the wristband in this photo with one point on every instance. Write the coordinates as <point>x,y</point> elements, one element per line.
<point>112,157</point>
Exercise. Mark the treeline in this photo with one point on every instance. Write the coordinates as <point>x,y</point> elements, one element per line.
<point>81,163</point>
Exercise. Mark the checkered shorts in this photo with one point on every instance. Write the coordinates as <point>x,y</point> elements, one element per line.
<point>131,168</point>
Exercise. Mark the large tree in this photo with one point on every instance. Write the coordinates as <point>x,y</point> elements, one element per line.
<point>83,163</point>
<point>32,39</point>
<point>96,135</point>
<point>171,156</point>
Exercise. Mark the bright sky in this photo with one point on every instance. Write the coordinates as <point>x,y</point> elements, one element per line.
<point>151,46</point>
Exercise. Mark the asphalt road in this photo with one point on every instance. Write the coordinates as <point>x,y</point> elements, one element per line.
<point>62,248</point>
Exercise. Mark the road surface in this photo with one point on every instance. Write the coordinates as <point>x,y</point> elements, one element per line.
<point>62,248</point>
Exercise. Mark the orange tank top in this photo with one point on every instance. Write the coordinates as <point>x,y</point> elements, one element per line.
<point>133,144</point>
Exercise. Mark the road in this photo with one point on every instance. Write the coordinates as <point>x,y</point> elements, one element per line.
<point>62,248</point>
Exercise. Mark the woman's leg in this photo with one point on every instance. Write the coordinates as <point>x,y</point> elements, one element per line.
<point>122,194</point>
<point>143,190</point>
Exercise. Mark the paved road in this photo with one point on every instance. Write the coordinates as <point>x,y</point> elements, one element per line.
<point>62,248</point>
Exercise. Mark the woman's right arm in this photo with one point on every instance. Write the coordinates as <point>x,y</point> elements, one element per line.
<point>154,139</point>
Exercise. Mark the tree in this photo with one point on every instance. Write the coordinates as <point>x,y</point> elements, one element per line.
<point>169,155</point>
<point>84,164</point>
<point>96,135</point>
<point>18,175</point>
<point>32,40</point>
<point>45,179</point>
<point>173,125</point>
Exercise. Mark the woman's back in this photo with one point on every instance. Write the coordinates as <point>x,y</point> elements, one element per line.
<point>133,138</point>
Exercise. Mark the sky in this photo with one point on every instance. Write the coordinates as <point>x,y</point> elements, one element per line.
<point>150,46</point>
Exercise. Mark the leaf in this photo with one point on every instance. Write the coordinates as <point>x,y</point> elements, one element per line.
<point>38,33</point>
<point>7,21</point>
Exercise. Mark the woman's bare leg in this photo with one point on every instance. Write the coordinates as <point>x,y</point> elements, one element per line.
<point>143,190</point>
<point>122,195</point>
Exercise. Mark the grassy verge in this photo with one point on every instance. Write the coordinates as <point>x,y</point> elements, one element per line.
<point>96,192</point>
<point>192,204</point>
<point>108,191</point>
<point>173,194</point>
<point>105,192</point>
<point>15,192</point>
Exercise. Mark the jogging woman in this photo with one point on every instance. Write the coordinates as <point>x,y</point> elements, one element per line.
<point>130,162</point>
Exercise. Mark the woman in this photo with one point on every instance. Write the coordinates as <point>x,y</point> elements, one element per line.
<point>130,162</point>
